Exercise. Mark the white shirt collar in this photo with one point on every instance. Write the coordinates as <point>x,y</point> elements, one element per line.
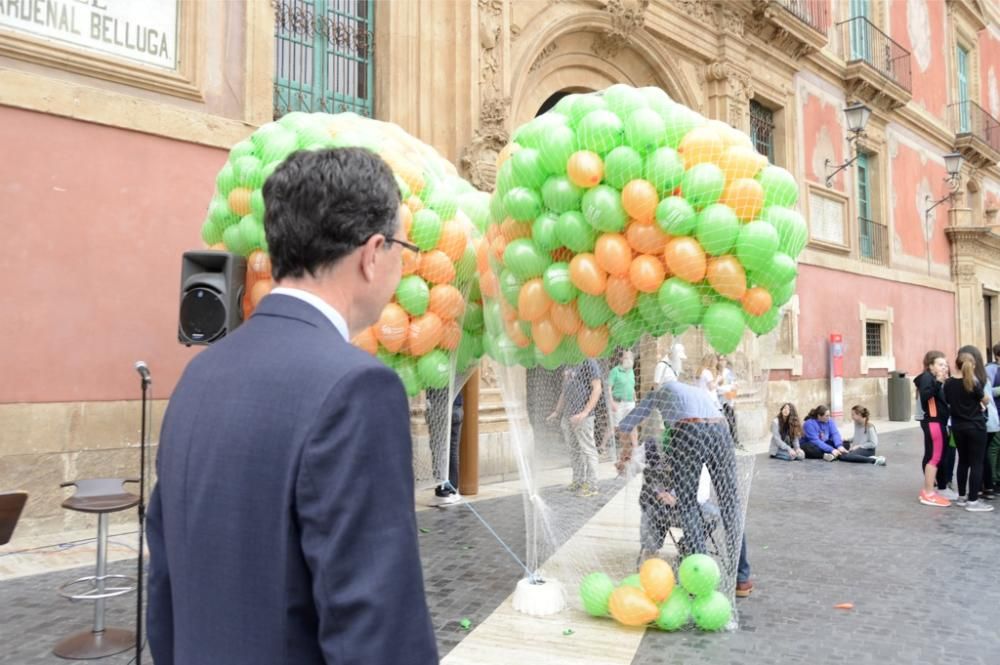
<point>323,306</point>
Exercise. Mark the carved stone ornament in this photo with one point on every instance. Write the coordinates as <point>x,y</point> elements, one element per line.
<point>480,157</point>
<point>715,12</point>
<point>543,55</point>
<point>627,18</point>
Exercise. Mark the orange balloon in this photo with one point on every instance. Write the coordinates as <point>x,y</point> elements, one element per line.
<point>620,294</point>
<point>586,275</point>
<point>757,301</point>
<point>392,327</point>
<point>425,333</point>
<point>646,273</point>
<point>726,275</point>
<point>366,340</point>
<point>646,238</point>
<point>405,219</point>
<point>592,341</point>
<point>482,255</point>
<point>245,305</point>
<point>613,253</point>
<point>745,196</point>
<point>639,198</point>
<point>686,259</point>
<point>585,168</point>
<point>239,201</point>
<point>451,336</point>
<point>497,248</point>
<point>507,312</point>
<point>546,336</point>
<point>489,285</point>
<point>411,261</point>
<point>701,144</point>
<point>630,606</point>
<point>447,302</point>
<point>453,239</point>
<point>512,230</point>
<point>657,579</point>
<point>740,162</point>
<point>414,204</point>
<point>259,263</point>
<point>564,254</point>
<point>533,302</point>
<point>218,247</point>
<point>260,289</point>
<point>516,334</point>
<point>436,267</point>
<point>565,318</point>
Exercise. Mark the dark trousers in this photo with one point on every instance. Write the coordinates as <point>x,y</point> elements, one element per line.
<point>859,456</point>
<point>946,459</point>
<point>989,480</point>
<point>437,426</point>
<point>730,413</point>
<point>811,450</point>
<point>971,445</point>
<point>946,470</point>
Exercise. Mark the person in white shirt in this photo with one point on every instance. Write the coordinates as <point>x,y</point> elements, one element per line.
<point>670,366</point>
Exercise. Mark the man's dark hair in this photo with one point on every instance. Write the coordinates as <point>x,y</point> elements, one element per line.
<point>321,205</point>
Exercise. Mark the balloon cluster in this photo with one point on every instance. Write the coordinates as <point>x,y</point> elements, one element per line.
<point>653,598</point>
<point>429,330</point>
<point>623,212</point>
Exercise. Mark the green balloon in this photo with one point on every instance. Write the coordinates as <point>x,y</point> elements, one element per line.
<point>712,612</point>
<point>221,214</point>
<point>476,206</point>
<point>244,148</point>
<point>556,147</point>
<point>505,178</point>
<point>312,136</point>
<point>632,581</point>
<point>676,217</point>
<point>575,233</point>
<point>676,612</point>
<point>782,294</point>
<point>765,323</point>
<point>408,374</point>
<point>626,330</point>
<point>510,287</point>
<point>434,369</point>
<point>523,204</point>
<point>602,207</point>
<point>679,120</point>
<point>665,169</point>
<point>257,205</point>
<point>717,229</point>
<point>651,311</point>
<point>561,195</point>
<point>595,590</point>
<point>565,105</point>
<point>532,134</point>
<point>557,283</point>
<point>472,319</point>
<point>680,301</point>
<point>404,189</point>
<point>526,357</point>
<point>723,325</point>
<point>621,166</point>
<point>644,130</point>
<point>550,361</point>
<point>571,353</point>
<point>594,310</point>
<point>493,317</point>
<point>210,232</point>
<point>779,186</point>
<point>389,358</point>
<point>779,271</point>
<point>527,168</point>
<point>413,295</point>
<point>248,172</point>
<point>524,259</point>
<point>442,201</point>
<point>600,131</point>
<point>426,229</point>
<point>506,351</point>
<point>792,231</point>
<point>295,119</point>
<point>657,99</point>
<point>498,213</point>
<point>465,267</point>
<point>583,105</point>
<point>699,574</point>
<point>276,145</point>
<point>543,231</point>
<point>623,99</point>
<point>234,240</point>
<point>252,233</point>
<point>463,356</point>
<point>756,245</point>
<point>225,181</point>
<point>702,184</point>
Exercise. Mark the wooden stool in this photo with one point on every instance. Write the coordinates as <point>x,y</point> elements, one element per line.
<point>101,496</point>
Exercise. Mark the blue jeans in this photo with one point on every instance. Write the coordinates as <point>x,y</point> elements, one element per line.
<point>743,570</point>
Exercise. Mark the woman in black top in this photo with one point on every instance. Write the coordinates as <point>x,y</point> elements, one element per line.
<point>936,464</point>
<point>967,403</point>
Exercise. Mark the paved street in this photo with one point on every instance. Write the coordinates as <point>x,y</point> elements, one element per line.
<point>925,582</point>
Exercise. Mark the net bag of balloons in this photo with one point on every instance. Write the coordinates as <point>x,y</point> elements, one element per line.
<point>431,330</point>
<point>622,212</point>
<point>653,597</point>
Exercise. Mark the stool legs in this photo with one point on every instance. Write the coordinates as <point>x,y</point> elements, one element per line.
<point>102,570</point>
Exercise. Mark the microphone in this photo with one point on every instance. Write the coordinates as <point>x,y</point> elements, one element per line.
<point>143,370</point>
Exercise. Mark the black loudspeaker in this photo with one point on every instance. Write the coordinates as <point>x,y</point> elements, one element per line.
<point>212,286</point>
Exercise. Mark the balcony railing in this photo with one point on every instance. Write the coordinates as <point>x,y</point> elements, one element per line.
<point>873,242</point>
<point>971,118</point>
<point>868,44</point>
<point>814,13</point>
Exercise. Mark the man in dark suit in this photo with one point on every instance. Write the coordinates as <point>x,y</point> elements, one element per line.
<point>281,530</point>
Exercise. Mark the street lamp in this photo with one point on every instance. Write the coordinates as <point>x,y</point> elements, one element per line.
<point>953,165</point>
<point>857,118</point>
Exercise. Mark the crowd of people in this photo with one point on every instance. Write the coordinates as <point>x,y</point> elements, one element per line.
<point>819,438</point>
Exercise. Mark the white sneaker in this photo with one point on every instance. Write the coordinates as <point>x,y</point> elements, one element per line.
<point>960,501</point>
<point>978,507</point>
<point>828,457</point>
<point>949,494</point>
<point>879,461</point>
<point>442,501</point>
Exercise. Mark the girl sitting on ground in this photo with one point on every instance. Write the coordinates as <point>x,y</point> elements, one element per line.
<point>863,445</point>
<point>820,438</point>
<point>786,430</point>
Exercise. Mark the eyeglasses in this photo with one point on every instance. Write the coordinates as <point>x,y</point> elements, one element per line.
<point>402,243</point>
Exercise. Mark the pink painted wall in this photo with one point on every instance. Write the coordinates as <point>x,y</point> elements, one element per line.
<point>822,132</point>
<point>922,318</point>
<point>989,70</point>
<point>95,220</point>
<point>912,180</point>
<point>919,27</point>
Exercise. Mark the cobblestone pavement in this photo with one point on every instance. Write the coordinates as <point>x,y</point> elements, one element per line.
<point>925,582</point>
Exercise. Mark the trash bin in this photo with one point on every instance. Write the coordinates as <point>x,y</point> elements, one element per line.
<point>900,397</point>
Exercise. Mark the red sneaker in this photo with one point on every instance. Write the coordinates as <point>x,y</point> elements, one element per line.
<point>743,589</point>
<point>933,499</point>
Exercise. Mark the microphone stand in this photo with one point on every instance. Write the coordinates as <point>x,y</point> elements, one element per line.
<point>143,436</point>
